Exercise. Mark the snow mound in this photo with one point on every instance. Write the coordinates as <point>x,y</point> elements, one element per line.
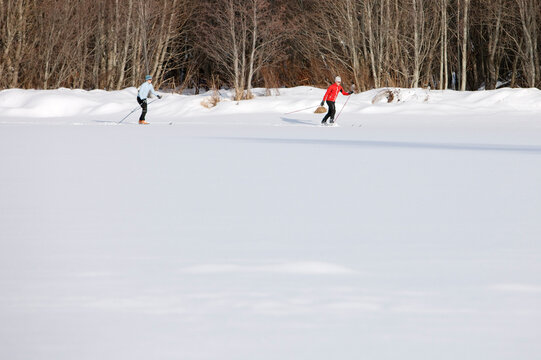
<point>17,104</point>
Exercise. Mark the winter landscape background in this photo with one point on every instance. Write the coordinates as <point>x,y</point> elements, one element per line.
<point>409,231</point>
<point>241,44</point>
<point>235,226</point>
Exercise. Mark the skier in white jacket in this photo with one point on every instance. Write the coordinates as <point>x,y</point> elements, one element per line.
<point>144,90</point>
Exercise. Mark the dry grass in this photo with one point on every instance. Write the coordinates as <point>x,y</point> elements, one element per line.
<point>386,95</point>
<point>320,110</point>
<point>211,101</point>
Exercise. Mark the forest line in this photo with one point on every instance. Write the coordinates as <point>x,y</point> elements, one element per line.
<point>241,44</point>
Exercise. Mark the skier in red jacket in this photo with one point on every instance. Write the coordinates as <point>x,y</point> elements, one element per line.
<point>330,96</point>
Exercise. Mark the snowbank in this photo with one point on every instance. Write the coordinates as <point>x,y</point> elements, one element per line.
<point>80,105</point>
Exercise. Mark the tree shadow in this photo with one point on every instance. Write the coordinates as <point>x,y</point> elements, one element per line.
<point>533,149</point>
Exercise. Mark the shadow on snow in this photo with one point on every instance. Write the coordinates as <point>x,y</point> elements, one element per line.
<point>396,144</point>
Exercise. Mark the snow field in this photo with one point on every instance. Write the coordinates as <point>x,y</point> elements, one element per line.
<point>243,233</point>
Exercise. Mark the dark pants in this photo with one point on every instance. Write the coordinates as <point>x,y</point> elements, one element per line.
<point>332,111</point>
<point>143,104</point>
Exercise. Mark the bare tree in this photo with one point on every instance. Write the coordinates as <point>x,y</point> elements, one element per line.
<point>529,11</point>
<point>244,36</point>
<point>444,28</point>
<point>14,21</point>
<point>465,7</point>
<point>111,44</point>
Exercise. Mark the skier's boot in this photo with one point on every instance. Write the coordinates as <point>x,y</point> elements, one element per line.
<point>143,122</point>
<point>331,122</point>
<point>323,122</point>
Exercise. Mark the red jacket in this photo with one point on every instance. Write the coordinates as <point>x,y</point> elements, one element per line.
<point>332,92</point>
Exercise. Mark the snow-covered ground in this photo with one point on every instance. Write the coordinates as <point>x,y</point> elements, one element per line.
<point>410,231</point>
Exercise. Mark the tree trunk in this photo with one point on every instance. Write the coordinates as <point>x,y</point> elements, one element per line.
<point>493,42</point>
<point>444,76</point>
<point>124,58</point>
<point>416,45</point>
<point>465,40</point>
<point>253,47</point>
<point>371,42</point>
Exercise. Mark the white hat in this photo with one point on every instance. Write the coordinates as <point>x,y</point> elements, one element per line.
<point>338,79</point>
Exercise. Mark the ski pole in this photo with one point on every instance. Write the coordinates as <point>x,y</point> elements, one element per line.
<point>134,110</point>
<point>131,112</point>
<point>296,111</point>
<point>342,108</point>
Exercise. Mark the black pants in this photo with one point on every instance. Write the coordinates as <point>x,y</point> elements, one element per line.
<point>332,111</point>
<point>143,104</point>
